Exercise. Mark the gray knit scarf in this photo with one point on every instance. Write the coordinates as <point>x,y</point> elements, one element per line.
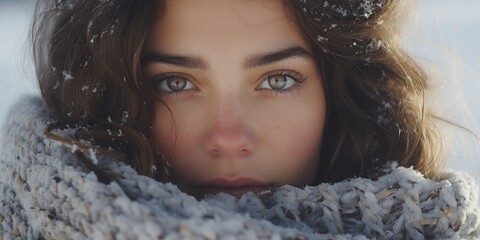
<point>46,194</point>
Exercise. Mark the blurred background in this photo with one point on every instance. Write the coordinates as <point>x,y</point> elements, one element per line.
<point>444,35</point>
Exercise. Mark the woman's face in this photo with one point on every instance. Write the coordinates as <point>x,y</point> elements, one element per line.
<point>243,103</point>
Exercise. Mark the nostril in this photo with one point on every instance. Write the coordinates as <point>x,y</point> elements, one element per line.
<point>230,150</point>
<point>227,135</point>
<point>228,143</point>
<point>244,152</point>
<point>215,152</point>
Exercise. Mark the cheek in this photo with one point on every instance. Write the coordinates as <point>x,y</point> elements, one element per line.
<point>301,147</point>
<point>175,133</point>
<point>293,136</point>
<point>163,131</point>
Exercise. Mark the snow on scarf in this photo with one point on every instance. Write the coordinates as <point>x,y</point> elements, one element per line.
<point>45,193</point>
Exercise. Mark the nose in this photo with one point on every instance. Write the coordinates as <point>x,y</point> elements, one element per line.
<point>228,135</point>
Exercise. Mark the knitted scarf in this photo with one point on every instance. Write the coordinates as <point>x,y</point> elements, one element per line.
<point>45,193</point>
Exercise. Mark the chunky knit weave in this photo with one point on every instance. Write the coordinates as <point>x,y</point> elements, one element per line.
<point>46,193</point>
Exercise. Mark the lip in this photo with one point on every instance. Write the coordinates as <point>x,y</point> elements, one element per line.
<point>235,187</point>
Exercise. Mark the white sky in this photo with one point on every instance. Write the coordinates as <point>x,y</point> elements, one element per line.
<point>444,32</point>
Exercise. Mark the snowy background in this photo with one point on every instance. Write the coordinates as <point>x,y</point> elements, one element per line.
<point>443,33</point>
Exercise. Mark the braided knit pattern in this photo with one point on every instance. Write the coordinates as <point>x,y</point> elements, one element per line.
<point>46,193</point>
<point>400,205</point>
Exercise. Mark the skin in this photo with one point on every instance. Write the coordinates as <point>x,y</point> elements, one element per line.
<point>228,122</point>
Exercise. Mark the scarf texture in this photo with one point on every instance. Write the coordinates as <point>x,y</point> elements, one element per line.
<point>45,193</point>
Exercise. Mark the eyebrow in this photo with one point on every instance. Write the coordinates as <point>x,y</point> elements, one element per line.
<point>277,56</point>
<point>183,61</point>
<point>250,62</point>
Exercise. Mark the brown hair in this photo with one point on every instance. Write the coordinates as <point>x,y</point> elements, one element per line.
<point>87,57</point>
<point>375,90</point>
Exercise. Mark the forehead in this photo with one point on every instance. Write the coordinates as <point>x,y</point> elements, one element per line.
<point>194,24</point>
<point>246,11</point>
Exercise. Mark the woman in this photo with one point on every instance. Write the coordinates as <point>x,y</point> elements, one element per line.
<point>229,97</point>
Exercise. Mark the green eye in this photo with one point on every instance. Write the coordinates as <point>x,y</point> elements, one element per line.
<point>278,82</point>
<point>174,84</point>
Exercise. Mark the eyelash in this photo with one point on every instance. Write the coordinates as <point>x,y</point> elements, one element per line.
<point>297,77</point>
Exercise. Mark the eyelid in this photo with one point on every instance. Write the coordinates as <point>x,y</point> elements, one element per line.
<point>163,76</point>
<point>295,75</point>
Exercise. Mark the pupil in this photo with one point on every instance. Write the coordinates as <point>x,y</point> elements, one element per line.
<point>176,84</point>
<point>277,82</point>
